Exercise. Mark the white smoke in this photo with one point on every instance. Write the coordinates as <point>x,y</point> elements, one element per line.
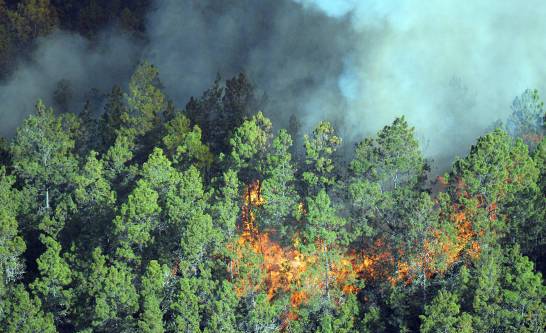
<point>451,67</point>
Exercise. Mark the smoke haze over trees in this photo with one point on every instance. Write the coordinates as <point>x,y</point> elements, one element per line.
<point>451,69</point>
<point>272,166</point>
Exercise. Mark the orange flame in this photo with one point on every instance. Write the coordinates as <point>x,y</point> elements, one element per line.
<point>283,269</point>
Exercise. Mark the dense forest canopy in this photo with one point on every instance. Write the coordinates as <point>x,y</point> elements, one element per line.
<point>139,214</point>
<point>157,219</point>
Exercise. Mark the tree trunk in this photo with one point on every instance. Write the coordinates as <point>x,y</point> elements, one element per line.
<point>325,250</point>
<point>47,198</point>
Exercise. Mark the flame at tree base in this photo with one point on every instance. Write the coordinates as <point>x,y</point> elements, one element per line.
<point>263,265</point>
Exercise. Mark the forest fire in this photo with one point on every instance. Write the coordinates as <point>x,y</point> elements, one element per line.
<point>277,269</point>
<point>282,267</point>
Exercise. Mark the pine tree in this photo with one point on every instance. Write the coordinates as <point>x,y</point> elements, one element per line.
<point>96,205</point>
<point>185,307</point>
<point>111,121</point>
<point>223,310</point>
<point>184,145</point>
<point>205,112</point>
<point>12,244</point>
<point>22,313</point>
<point>52,285</point>
<point>527,118</point>
<point>153,281</point>
<point>137,219</point>
<point>319,157</point>
<point>249,145</point>
<point>256,314</point>
<point>444,315</point>
<point>278,188</point>
<point>506,294</point>
<point>325,233</point>
<point>145,101</point>
<point>109,299</point>
<point>42,155</point>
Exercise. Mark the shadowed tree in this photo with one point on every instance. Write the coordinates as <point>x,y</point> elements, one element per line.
<point>527,118</point>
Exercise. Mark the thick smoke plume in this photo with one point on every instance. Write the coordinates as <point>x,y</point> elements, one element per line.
<point>296,56</point>
<point>452,68</point>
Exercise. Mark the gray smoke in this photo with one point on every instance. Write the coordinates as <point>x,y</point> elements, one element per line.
<point>65,59</point>
<point>296,56</point>
<point>452,68</point>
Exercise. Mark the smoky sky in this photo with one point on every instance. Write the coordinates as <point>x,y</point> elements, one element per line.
<point>452,68</point>
<point>294,55</point>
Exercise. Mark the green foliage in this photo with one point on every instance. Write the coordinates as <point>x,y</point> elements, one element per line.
<point>508,295</point>
<point>342,320</point>
<point>109,297</point>
<point>145,101</point>
<point>225,210</point>
<point>42,154</point>
<point>325,234</point>
<point>12,244</point>
<point>323,223</point>
<point>443,315</point>
<point>186,307</point>
<point>116,160</point>
<point>207,112</point>
<point>137,219</point>
<point>96,202</point>
<point>499,175</point>
<point>257,314</point>
<point>223,317</point>
<point>111,121</point>
<point>496,167</point>
<point>184,144</point>
<point>190,224</point>
<point>278,188</point>
<point>33,18</point>
<point>323,315</point>
<point>145,228</point>
<point>55,276</point>
<point>153,282</point>
<point>249,145</point>
<point>159,173</point>
<point>419,241</point>
<point>239,100</point>
<point>386,177</point>
<point>22,313</point>
<point>319,150</point>
<point>222,109</point>
<point>392,160</point>
<point>23,22</point>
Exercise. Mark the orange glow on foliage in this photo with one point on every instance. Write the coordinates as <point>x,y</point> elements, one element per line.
<point>286,270</point>
<point>281,267</point>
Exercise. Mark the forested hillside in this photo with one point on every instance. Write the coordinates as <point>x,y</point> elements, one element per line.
<point>145,216</point>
